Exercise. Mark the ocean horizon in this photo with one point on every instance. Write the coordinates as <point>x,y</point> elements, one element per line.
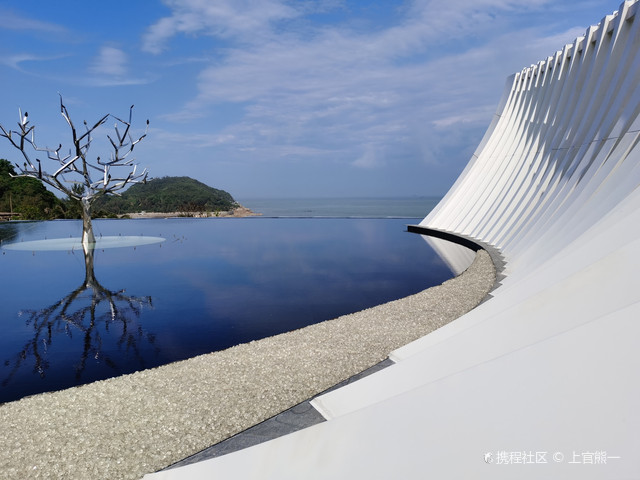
<point>342,207</point>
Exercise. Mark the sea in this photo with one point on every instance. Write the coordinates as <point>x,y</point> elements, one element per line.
<point>346,207</point>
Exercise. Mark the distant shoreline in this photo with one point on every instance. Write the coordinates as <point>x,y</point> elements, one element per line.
<point>237,212</point>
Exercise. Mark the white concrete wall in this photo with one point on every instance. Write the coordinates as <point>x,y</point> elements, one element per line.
<point>541,381</point>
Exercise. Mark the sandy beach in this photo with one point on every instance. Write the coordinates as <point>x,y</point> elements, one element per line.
<point>125,427</point>
<point>238,212</point>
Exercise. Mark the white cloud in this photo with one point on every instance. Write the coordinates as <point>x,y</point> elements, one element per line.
<point>13,21</point>
<point>223,18</point>
<point>15,61</point>
<point>111,61</point>
<point>111,68</point>
<point>198,140</point>
<point>370,158</point>
<point>368,98</point>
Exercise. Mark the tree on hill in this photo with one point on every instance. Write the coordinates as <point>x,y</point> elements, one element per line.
<point>27,196</point>
<point>88,181</point>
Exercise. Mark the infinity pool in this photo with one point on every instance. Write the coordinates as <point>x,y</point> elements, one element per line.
<point>212,284</point>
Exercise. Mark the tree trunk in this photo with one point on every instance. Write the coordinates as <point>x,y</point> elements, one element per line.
<point>87,229</point>
<point>89,274</point>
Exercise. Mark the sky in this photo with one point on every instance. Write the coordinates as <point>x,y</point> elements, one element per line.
<point>281,98</point>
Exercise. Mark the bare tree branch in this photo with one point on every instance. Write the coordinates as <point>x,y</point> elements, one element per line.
<point>77,163</point>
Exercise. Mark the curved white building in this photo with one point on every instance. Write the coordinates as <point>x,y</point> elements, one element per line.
<point>542,380</point>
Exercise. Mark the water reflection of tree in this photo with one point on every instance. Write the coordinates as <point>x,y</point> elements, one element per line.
<point>8,230</point>
<point>86,311</point>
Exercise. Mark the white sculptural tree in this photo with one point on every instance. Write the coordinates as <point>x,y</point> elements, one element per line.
<point>75,175</point>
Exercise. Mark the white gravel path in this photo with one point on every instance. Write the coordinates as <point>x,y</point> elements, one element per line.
<point>125,427</point>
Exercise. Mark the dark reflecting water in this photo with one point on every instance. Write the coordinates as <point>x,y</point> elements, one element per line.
<point>214,283</point>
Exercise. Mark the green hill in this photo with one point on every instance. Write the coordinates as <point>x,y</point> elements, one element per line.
<point>29,199</point>
<point>167,194</point>
<point>27,196</point>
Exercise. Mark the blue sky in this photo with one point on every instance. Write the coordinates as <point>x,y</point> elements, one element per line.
<point>281,98</point>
